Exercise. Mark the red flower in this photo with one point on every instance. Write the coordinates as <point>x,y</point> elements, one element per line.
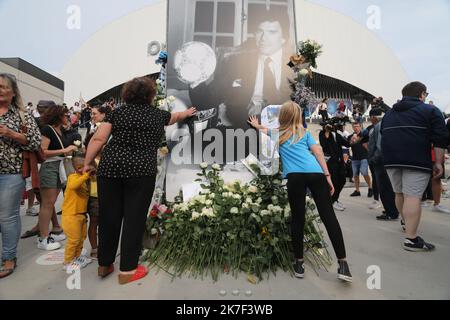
<point>169,211</point>
<point>154,213</point>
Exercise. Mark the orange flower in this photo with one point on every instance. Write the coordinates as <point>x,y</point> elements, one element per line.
<point>296,60</point>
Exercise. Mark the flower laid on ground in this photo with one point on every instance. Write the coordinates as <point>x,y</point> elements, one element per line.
<point>239,228</point>
<point>216,167</point>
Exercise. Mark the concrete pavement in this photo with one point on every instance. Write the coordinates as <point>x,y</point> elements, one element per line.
<point>404,275</point>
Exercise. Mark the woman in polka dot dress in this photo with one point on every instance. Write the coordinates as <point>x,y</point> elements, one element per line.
<point>126,174</point>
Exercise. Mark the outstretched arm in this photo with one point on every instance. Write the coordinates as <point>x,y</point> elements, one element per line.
<point>180,116</point>
<point>254,122</point>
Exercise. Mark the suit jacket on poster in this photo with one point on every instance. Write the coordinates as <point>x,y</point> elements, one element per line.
<point>234,85</point>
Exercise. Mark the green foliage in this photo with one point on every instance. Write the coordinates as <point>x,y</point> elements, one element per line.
<point>235,228</point>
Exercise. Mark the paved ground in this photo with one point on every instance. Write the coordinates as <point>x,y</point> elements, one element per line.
<point>404,275</point>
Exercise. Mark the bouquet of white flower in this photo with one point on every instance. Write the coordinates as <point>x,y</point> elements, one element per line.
<point>234,227</point>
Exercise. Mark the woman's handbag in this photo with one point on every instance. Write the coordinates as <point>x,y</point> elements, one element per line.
<point>31,159</point>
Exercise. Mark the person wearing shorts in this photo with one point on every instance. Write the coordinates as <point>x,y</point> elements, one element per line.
<point>409,131</point>
<point>360,164</point>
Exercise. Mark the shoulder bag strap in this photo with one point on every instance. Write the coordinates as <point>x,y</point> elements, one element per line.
<point>59,139</point>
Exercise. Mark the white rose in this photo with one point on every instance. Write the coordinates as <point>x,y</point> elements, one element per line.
<point>304,72</point>
<point>212,195</point>
<point>208,212</point>
<point>234,210</point>
<point>77,143</point>
<point>195,215</point>
<point>208,202</point>
<point>251,162</point>
<point>162,208</point>
<point>277,209</point>
<point>153,231</point>
<point>259,200</point>
<point>264,212</point>
<point>249,200</point>
<point>270,207</point>
<point>274,198</point>
<point>206,191</point>
<point>203,165</point>
<point>253,189</point>
<point>216,167</point>
<point>171,99</point>
<point>245,205</point>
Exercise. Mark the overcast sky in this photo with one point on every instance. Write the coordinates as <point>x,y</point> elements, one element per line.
<point>416,30</point>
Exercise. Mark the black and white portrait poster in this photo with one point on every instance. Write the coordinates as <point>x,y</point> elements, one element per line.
<point>228,58</point>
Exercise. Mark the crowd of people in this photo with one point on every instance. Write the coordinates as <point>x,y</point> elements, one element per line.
<point>111,183</point>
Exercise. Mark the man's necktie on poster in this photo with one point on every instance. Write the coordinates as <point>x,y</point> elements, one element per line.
<point>270,92</point>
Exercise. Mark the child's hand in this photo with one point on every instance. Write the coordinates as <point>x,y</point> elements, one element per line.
<point>88,168</point>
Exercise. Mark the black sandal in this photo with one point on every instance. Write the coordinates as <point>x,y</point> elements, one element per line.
<point>29,234</point>
<point>7,272</point>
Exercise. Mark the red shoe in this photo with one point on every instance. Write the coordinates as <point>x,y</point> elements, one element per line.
<point>140,273</point>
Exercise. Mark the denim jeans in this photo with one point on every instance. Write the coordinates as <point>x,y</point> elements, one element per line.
<point>11,190</point>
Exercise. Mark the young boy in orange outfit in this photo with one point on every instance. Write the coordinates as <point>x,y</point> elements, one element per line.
<point>74,220</point>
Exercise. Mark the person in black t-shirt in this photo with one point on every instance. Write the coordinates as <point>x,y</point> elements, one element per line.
<point>360,163</point>
<point>332,143</point>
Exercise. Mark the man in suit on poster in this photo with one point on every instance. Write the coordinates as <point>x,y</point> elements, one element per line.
<point>251,76</point>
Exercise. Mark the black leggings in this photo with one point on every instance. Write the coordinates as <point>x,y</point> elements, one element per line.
<point>127,201</point>
<point>317,183</point>
<point>337,172</point>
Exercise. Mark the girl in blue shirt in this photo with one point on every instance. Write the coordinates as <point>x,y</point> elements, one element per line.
<point>305,167</point>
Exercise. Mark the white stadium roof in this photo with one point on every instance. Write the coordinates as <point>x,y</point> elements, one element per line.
<point>118,52</point>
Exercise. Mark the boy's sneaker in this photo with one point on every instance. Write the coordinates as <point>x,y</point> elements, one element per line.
<point>299,269</point>
<point>83,261</point>
<point>58,237</point>
<point>370,193</point>
<point>48,244</point>
<point>344,272</point>
<point>417,245</point>
<point>441,208</point>
<point>32,212</point>
<point>337,206</point>
<point>356,194</point>
<point>374,205</point>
